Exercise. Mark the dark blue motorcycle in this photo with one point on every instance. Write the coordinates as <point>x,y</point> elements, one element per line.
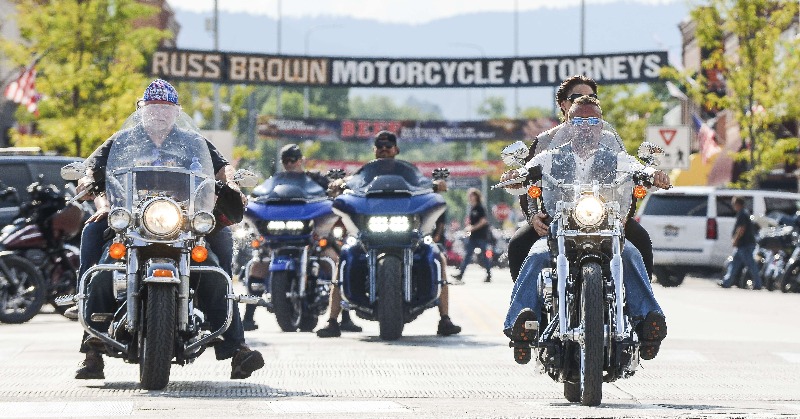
<point>293,216</point>
<point>389,267</point>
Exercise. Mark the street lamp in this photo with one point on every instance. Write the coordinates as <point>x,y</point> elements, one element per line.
<point>308,37</point>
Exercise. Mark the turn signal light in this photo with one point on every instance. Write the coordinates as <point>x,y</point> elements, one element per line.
<point>534,192</point>
<point>323,242</point>
<point>117,250</point>
<point>199,254</point>
<point>254,244</point>
<point>162,273</point>
<point>639,192</point>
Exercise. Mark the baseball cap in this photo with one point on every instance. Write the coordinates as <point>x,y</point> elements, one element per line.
<point>386,136</point>
<point>291,152</point>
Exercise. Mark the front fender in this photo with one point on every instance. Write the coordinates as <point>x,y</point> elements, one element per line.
<point>282,263</point>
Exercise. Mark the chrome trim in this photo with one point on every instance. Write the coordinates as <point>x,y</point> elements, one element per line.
<point>83,295</point>
<point>231,297</point>
<point>372,261</point>
<point>408,259</point>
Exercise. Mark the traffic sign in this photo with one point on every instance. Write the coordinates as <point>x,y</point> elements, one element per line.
<point>501,211</point>
<point>675,140</point>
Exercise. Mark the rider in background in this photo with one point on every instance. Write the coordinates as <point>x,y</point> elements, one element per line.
<point>243,359</point>
<point>293,161</point>
<point>386,148</point>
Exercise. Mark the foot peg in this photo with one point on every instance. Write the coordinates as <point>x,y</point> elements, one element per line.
<point>66,300</point>
<point>253,299</point>
<point>101,317</point>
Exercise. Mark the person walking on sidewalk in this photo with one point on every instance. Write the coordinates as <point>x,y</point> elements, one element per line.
<point>744,243</point>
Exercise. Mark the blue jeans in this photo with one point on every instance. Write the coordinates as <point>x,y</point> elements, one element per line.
<point>469,248</point>
<point>743,256</point>
<point>639,295</point>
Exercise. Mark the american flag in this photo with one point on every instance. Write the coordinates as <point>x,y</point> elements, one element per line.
<point>23,90</point>
<point>706,137</point>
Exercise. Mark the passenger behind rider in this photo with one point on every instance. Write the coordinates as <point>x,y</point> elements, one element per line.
<point>293,161</point>
<point>647,317</point>
<point>219,241</point>
<point>386,148</point>
<point>522,240</point>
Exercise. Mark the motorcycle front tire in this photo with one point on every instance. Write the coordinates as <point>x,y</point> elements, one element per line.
<point>589,387</point>
<point>29,279</point>
<point>157,337</point>
<point>390,297</point>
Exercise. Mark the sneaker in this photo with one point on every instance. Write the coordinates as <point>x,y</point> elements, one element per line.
<point>488,278</point>
<point>330,331</point>
<point>521,338</point>
<point>244,362</point>
<point>71,313</point>
<point>447,328</point>
<point>651,331</point>
<point>722,284</point>
<point>91,368</point>
<point>249,325</point>
<point>347,325</point>
<point>457,277</point>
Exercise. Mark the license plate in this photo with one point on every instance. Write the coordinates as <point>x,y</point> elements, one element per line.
<point>671,231</point>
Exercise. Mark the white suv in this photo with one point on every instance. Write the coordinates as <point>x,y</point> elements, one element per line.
<point>691,226</point>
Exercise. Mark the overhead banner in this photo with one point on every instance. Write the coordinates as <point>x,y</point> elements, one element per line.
<point>408,131</point>
<point>292,70</point>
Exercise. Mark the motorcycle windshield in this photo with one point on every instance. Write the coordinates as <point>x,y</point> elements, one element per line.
<point>289,186</point>
<point>160,152</point>
<point>389,176</point>
<point>578,157</point>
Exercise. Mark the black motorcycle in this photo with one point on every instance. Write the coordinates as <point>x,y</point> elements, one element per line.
<point>37,261</point>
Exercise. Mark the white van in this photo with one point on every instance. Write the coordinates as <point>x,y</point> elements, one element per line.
<point>691,226</point>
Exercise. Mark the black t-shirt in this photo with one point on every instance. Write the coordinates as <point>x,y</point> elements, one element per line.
<point>441,224</point>
<point>98,160</point>
<point>749,236</point>
<point>475,214</point>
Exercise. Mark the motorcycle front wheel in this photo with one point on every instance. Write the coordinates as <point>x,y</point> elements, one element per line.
<point>157,337</point>
<point>390,297</point>
<point>288,311</point>
<point>589,388</point>
<point>22,289</point>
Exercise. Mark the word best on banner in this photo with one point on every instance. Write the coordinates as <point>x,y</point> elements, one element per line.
<point>245,68</point>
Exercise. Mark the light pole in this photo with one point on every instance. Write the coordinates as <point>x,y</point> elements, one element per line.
<point>516,53</point>
<point>484,178</point>
<point>481,51</point>
<point>307,39</point>
<point>217,119</point>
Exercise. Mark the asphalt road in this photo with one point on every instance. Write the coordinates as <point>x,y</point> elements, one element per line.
<point>729,353</point>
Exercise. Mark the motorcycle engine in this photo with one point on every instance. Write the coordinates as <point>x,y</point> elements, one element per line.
<point>36,256</point>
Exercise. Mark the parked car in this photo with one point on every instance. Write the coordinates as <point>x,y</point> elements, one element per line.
<point>691,226</point>
<point>19,167</point>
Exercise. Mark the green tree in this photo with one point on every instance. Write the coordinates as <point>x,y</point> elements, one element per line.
<point>629,109</point>
<point>494,107</point>
<point>383,107</point>
<point>744,40</point>
<point>91,70</point>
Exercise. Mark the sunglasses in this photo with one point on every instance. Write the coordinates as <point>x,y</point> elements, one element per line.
<point>573,97</point>
<point>578,121</point>
<point>384,145</point>
<point>291,161</point>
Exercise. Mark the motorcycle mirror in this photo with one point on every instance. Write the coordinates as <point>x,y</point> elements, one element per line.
<point>245,178</point>
<point>650,153</point>
<point>515,154</point>
<point>73,171</point>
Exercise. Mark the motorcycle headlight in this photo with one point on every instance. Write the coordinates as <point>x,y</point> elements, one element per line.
<point>161,217</point>
<point>292,227</point>
<point>119,219</point>
<point>203,222</point>
<point>395,224</point>
<point>589,211</point>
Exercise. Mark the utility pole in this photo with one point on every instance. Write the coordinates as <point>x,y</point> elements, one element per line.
<point>279,109</point>
<point>217,120</point>
<point>516,54</point>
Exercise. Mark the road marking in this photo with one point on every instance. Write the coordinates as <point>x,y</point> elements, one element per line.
<point>319,406</point>
<point>793,357</point>
<point>64,409</point>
